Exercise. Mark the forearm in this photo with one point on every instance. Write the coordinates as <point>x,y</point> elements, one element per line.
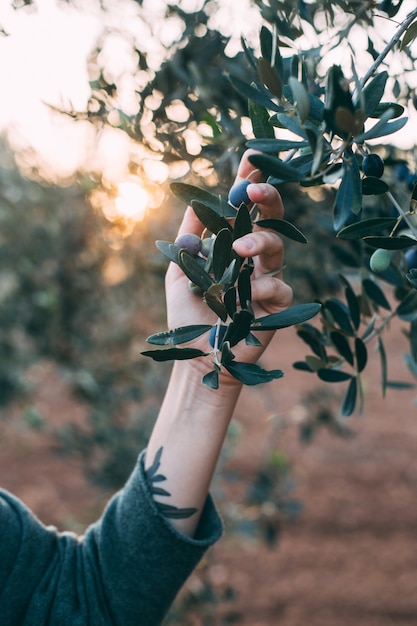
<point>187,439</point>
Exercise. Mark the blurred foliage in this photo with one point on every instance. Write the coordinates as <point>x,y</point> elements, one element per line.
<point>74,291</point>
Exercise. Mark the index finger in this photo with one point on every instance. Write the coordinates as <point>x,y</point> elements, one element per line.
<point>247,170</point>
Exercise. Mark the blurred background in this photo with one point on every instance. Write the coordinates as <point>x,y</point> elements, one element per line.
<point>103,104</point>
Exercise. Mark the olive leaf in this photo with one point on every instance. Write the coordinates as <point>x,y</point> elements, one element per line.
<point>269,77</point>
<point>168,249</point>
<point>211,379</point>
<point>407,309</point>
<point>284,228</point>
<point>339,314</point>
<point>221,253</point>
<point>342,346</point>
<point>259,117</point>
<point>372,186</point>
<point>209,217</point>
<point>178,354</point>
<point>178,335</point>
<point>367,227</point>
<point>375,293</point>
<point>270,145</point>
<point>349,401</point>
<point>194,271</point>
<point>333,376</point>
<point>293,315</point>
<point>390,243</point>
<point>373,92</point>
<point>251,373</point>
<point>272,166</point>
<point>361,353</point>
<point>251,92</point>
<point>187,193</point>
<point>348,199</point>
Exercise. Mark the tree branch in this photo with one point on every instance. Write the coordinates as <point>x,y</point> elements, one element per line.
<point>401,29</point>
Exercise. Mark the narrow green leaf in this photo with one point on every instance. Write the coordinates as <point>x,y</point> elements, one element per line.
<point>243,223</point>
<point>269,77</point>
<point>313,338</point>
<point>270,50</point>
<point>361,353</point>
<point>251,340</point>
<point>370,226</point>
<point>194,271</point>
<point>390,243</point>
<point>373,92</point>
<point>178,335</point>
<point>211,379</point>
<point>314,363</point>
<point>399,384</point>
<point>372,186</point>
<point>251,373</point>
<point>349,401</point>
<point>300,97</point>
<point>293,315</point>
<point>177,354</point>
<point>383,127</point>
<point>272,166</point>
<point>411,363</point>
<point>352,302</point>
<point>348,200</point>
<point>383,358</point>
<point>339,313</point>
<point>222,250</point>
<point>210,218</point>
<point>168,249</point>
<point>409,35</point>
<point>302,366</point>
<point>229,300</point>
<point>259,117</point>
<point>212,298</point>
<point>342,346</point>
<point>290,123</point>
<point>407,309</point>
<point>239,328</point>
<point>244,285</point>
<point>333,376</point>
<point>284,228</point>
<point>253,93</point>
<point>188,193</point>
<point>396,109</point>
<point>273,146</point>
<point>375,293</point>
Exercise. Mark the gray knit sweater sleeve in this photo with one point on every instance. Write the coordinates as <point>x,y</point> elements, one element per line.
<point>125,571</point>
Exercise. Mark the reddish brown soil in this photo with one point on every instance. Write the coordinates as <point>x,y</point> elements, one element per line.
<point>349,560</point>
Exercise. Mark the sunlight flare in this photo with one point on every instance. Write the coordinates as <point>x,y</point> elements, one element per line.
<point>131,201</point>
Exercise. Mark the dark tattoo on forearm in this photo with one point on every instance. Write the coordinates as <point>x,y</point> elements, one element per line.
<point>153,479</point>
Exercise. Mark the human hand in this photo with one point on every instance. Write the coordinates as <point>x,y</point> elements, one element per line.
<point>270,293</point>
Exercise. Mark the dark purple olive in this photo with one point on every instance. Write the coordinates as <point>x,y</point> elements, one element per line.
<point>411,258</point>
<point>373,165</point>
<point>238,193</point>
<point>402,171</point>
<point>189,242</point>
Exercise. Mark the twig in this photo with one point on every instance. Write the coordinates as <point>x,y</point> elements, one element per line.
<point>401,29</point>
